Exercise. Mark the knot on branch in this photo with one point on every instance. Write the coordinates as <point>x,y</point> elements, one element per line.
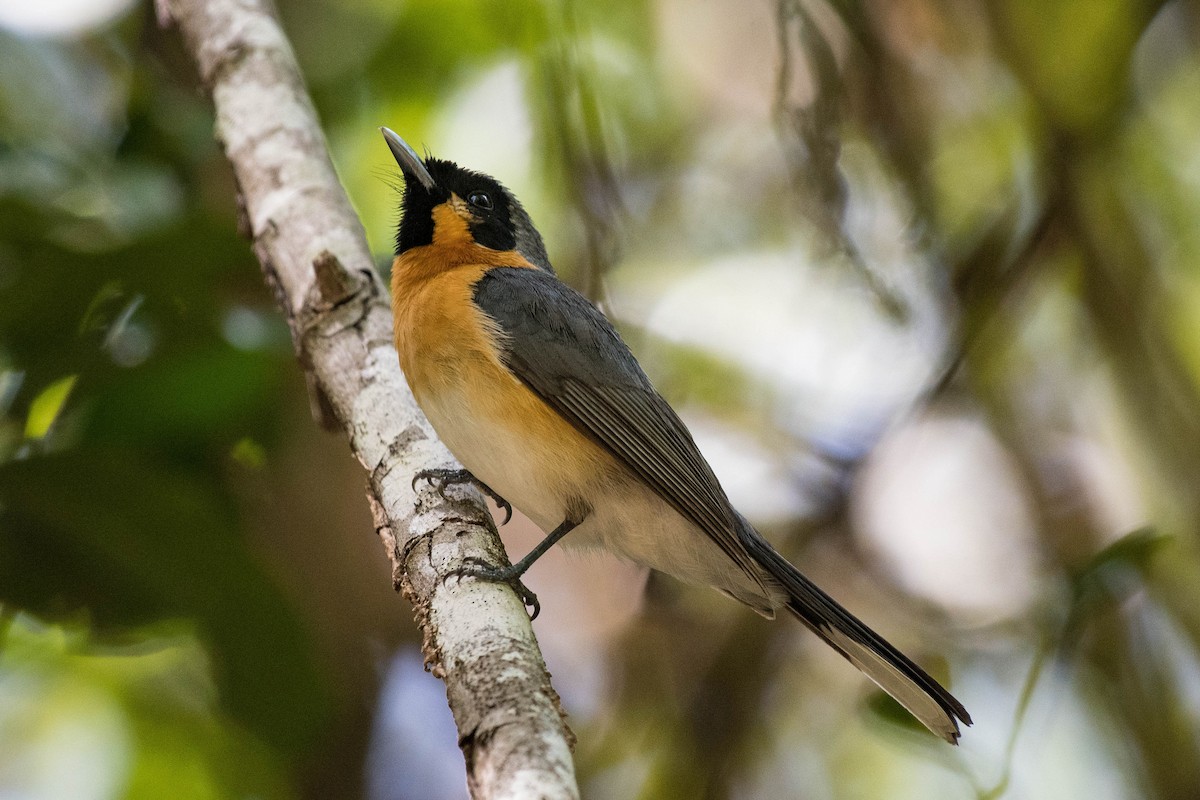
<point>334,284</point>
<point>337,300</point>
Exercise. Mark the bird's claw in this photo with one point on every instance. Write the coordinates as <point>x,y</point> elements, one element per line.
<point>501,504</point>
<point>474,567</point>
<point>439,479</point>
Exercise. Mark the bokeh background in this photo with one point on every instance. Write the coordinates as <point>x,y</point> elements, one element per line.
<point>922,275</point>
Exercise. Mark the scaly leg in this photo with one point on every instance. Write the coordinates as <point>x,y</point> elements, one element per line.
<point>512,575</point>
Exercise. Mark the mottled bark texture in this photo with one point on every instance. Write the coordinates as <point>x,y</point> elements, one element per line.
<point>477,636</point>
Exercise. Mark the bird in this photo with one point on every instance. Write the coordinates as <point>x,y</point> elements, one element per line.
<point>533,390</point>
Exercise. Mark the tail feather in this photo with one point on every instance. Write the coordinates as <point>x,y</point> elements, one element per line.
<point>894,672</point>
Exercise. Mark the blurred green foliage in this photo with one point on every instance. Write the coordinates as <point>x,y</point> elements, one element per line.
<point>134,719</point>
<point>1014,186</point>
<point>120,266</point>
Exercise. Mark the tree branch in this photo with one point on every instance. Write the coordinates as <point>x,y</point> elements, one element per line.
<point>477,635</point>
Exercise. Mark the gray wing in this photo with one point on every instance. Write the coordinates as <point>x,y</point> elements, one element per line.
<point>560,346</point>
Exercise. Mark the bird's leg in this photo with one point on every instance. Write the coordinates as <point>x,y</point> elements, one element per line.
<point>511,575</point>
<point>441,478</point>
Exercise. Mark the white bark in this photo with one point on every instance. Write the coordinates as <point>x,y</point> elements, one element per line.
<point>477,635</point>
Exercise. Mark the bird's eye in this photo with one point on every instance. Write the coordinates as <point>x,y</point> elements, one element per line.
<point>480,200</point>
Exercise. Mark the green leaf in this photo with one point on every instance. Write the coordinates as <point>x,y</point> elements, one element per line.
<point>46,407</point>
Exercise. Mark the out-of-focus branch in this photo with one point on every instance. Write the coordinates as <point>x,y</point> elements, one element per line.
<point>810,131</point>
<point>570,112</point>
<point>477,636</point>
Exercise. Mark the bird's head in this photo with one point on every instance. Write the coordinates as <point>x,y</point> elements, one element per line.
<point>446,205</point>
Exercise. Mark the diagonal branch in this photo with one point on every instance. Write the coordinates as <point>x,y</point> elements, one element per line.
<point>477,636</point>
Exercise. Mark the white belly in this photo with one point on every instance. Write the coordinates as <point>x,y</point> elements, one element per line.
<point>626,518</point>
<point>500,451</point>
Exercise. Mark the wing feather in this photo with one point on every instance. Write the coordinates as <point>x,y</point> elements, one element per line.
<point>566,351</point>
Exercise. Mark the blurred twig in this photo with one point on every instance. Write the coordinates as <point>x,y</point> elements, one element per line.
<point>811,134</point>
<point>814,133</point>
<point>1120,300</point>
<point>1122,291</point>
<point>1084,208</point>
<point>575,133</point>
<point>986,278</point>
<point>477,636</point>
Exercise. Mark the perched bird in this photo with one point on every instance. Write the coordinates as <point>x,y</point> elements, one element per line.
<point>533,390</point>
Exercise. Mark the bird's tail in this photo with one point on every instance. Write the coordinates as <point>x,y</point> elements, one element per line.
<point>910,685</point>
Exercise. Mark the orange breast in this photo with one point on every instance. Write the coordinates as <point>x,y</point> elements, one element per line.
<point>439,330</point>
<point>437,326</point>
<point>495,425</point>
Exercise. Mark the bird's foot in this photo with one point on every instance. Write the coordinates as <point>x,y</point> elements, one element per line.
<point>511,576</point>
<point>439,479</point>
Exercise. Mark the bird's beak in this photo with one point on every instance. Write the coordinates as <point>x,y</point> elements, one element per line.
<point>408,160</point>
